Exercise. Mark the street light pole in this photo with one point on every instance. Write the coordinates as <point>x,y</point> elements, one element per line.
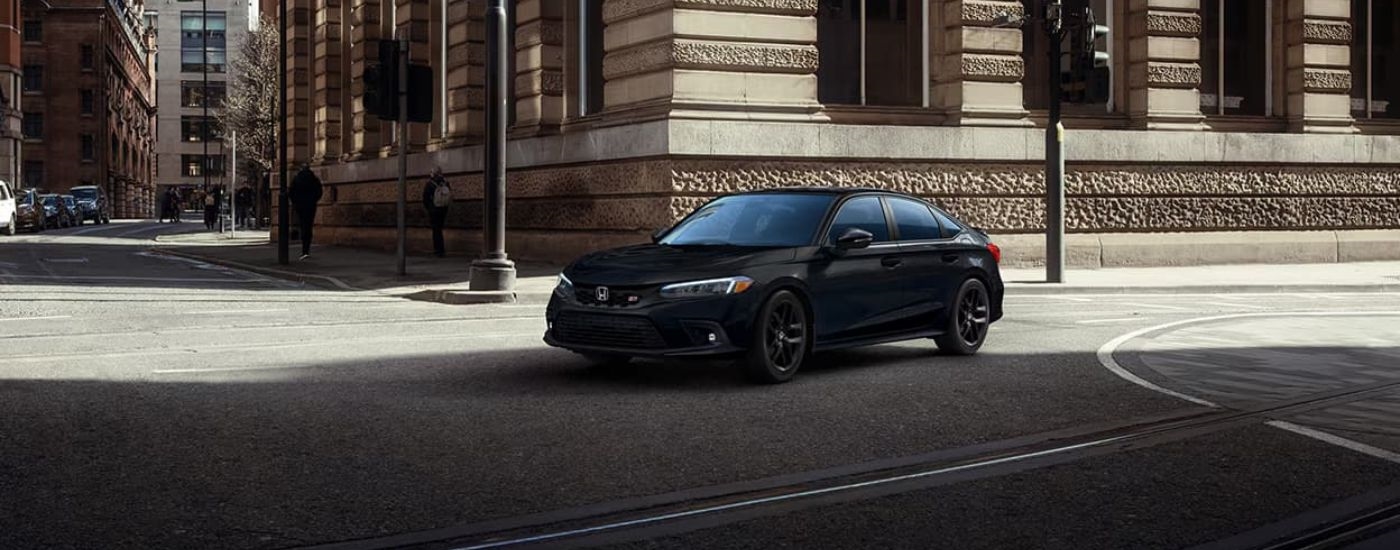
<point>284,240</point>
<point>493,270</point>
<point>1054,152</point>
<point>204,65</point>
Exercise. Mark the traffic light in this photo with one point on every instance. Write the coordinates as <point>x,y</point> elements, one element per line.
<point>1089,77</point>
<point>381,82</point>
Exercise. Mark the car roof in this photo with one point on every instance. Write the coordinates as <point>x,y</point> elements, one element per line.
<point>825,189</point>
<point>75,188</point>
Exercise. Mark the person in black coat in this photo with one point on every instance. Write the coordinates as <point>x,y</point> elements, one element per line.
<point>437,210</point>
<point>304,193</point>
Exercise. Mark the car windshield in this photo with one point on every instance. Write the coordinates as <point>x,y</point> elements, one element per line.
<point>68,201</point>
<point>763,219</point>
<point>50,200</point>
<point>85,194</point>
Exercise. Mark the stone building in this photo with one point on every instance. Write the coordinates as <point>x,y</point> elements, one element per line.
<point>88,99</point>
<point>1235,130</point>
<point>184,156</point>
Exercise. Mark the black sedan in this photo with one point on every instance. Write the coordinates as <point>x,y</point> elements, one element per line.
<point>773,276</point>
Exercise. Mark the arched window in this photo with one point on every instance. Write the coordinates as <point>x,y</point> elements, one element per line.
<point>873,52</point>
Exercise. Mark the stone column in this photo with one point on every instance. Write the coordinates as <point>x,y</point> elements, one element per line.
<point>977,76</point>
<point>413,17</point>
<point>1318,78</point>
<point>365,15</point>
<point>755,56</point>
<point>327,82</point>
<point>299,81</point>
<point>1164,64</point>
<point>466,33</point>
<point>539,71</point>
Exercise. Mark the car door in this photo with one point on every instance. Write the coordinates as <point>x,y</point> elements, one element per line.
<point>932,262</point>
<point>854,291</point>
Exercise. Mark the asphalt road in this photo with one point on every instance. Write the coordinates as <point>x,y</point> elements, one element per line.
<point>148,401</point>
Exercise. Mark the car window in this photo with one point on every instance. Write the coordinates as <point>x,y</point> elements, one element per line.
<point>951,228</point>
<point>915,220</point>
<point>763,219</point>
<point>860,213</point>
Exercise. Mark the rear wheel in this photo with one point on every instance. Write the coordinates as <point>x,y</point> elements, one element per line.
<point>14,225</point>
<point>968,321</point>
<point>781,340</point>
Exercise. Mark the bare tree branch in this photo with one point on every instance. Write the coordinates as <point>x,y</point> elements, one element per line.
<point>250,107</point>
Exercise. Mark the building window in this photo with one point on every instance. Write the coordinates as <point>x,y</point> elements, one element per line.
<point>192,93</point>
<point>1235,71</point>
<point>589,86</point>
<point>33,125</point>
<point>192,62</point>
<point>86,56</point>
<point>202,33</point>
<point>33,78</point>
<point>33,174</point>
<point>194,128</point>
<point>1375,90</point>
<point>89,150</point>
<point>194,165</point>
<point>33,30</point>
<point>86,102</point>
<point>873,56</point>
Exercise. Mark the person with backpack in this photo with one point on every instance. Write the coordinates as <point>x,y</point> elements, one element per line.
<point>437,197</point>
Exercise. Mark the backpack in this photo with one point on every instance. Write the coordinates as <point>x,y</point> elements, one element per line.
<point>442,194</point>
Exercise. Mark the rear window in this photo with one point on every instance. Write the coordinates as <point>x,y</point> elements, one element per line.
<point>951,227</point>
<point>89,193</point>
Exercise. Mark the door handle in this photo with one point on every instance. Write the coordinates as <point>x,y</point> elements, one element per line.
<point>950,258</point>
<point>891,262</point>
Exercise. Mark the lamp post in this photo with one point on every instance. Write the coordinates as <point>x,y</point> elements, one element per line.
<point>284,240</point>
<point>493,270</point>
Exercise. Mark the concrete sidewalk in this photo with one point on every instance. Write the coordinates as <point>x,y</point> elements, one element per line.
<point>446,280</point>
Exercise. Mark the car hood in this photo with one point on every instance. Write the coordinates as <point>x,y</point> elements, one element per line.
<point>653,264</point>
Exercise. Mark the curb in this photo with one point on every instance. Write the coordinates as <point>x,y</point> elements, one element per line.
<point>468,297</point>
<point>1046,289</point>
<point>319,280</point>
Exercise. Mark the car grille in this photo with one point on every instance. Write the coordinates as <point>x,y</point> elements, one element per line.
<point>594,329</point>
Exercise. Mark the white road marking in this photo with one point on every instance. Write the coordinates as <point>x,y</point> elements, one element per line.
<point>135,279</point>
<point>227,311</point>
<point>1155,306</point>
<point>1118,320</point>
<point>37,318</point>
<point>1105,355</point>
<point>9,265</point>
<point>66,260</point>
<point>1338,441</point>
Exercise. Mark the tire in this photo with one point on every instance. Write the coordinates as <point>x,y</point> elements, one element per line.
<point>968,321</point>
<point>781,340</point>
<point>13,227</point>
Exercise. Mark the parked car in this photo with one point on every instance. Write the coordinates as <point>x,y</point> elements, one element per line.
<point>55,212</point>
<point>30,210</point>
<point>9,213</point>
<point>772,276</point>
<point>92,204</point>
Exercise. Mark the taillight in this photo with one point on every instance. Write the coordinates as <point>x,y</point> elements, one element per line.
<point>996,252</point>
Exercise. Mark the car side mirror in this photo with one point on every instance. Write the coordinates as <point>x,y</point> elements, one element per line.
<point>656,235</point>
<point>854,238</point>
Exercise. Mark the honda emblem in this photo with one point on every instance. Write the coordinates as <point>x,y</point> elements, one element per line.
<point>602,294</point>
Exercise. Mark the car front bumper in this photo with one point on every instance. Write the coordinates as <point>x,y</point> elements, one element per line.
<point>707,327</point>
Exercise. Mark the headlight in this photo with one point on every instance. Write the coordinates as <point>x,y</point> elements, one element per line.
<point>709,287</point>
<point>565,287</point>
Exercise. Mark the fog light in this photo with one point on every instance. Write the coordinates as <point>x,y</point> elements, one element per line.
<point>712,337</point>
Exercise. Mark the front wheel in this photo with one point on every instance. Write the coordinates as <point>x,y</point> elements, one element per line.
<point>968,321</point>
<point>13,227</point>
<point>781,339</point>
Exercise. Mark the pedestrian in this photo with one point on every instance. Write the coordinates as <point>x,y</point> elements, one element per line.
<point>164,205</point>
<point>304,193</point>
<point>211,210</point>
<point>243,200</point>
<point>172,204</point>
<point>437,197</point>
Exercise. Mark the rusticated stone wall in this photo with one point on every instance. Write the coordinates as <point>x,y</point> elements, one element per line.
<point>557,213</point>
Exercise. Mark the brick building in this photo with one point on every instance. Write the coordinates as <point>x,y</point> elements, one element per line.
<point>9,91</point>
<point>1239,130</point>
<point>88,100</point>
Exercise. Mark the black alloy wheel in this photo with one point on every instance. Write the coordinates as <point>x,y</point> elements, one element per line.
<point>968,321</point>
<point>781,339</point>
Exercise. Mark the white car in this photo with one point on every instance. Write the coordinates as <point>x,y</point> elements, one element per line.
<point>9,221</point>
